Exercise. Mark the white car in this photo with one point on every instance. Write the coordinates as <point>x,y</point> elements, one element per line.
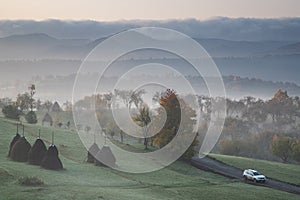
<point>250,174</point>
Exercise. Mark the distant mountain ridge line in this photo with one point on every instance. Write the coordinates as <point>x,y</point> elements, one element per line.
<point>41,45</point>
<point>252,29</point>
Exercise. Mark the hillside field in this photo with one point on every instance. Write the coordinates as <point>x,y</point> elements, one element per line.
<point>80,180</point>
<point>289,173</point>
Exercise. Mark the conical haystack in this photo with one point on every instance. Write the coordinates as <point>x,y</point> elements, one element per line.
<point>105,157</point>
<point>14,140</point>
<point>20,149</point>
<point>93,150</point>
<point>37,151</point>
<point>47,118</point>
<point>51,159</point>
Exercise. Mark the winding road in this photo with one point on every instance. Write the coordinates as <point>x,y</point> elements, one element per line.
<point>215,166</point>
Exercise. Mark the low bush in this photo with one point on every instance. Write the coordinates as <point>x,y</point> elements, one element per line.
<point>31,181</point>
<point>12,112</point>
<point>31,117</point>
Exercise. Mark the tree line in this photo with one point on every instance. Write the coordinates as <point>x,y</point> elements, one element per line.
<point>250,126</point>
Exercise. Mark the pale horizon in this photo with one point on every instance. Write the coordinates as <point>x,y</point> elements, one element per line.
<point>115,10</point>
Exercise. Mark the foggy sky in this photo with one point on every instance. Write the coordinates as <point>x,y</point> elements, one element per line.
<point>144,9</point>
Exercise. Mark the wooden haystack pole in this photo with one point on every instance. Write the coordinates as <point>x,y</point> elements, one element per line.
<point>14,140</point>
<point>51,159</point>
<point>20,149</point>
<point>37,151</point>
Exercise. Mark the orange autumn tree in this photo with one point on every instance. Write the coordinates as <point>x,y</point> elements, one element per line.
<point>179,114</point>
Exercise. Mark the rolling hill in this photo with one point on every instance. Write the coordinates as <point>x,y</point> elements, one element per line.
<point>40,45</point>
<point>80,180</point>
<point>291,49</point>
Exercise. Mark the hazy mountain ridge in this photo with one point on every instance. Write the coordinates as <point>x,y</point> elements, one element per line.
<point>230,48</point>
<point>240,29</point>
<point>274,58</point>
<point>289,49</point>
<point>41,46</point>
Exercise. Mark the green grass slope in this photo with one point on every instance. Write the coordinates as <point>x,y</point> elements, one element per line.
<point>80,180</point>
<point>284,172</point>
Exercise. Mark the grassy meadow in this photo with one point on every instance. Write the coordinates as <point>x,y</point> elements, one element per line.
<point>281,171</point>
<point>80,180</point>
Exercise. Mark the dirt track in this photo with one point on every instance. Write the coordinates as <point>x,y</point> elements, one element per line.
<point>212,165</point>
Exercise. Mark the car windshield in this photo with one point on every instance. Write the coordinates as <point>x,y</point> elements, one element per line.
<point>256,173</point>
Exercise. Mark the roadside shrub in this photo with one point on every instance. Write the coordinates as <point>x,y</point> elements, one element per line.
<point>31,117</point>
<point>191,151</point>
<point>230,147</point>
<point>12,112</point>
<point>296,150</point>
<point>281,147</point>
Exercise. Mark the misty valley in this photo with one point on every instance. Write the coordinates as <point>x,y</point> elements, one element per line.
<point>150,123</point>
